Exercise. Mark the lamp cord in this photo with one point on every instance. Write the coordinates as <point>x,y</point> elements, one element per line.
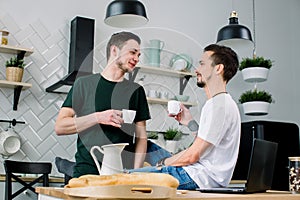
<point>254,38</point>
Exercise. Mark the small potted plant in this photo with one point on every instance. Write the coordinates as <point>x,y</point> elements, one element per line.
<point>256,102</point>
<point>152,135</point>
<point>14,69</point>
<point>255,69</point>
<point>172,136</point>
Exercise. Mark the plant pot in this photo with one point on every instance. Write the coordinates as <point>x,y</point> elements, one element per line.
<point>255,74</point>
<point>14,74</point>
<point>256,108</point>
<point>172,146</point>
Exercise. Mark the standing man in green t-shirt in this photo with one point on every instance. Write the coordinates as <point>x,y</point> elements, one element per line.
<point>93,107</point>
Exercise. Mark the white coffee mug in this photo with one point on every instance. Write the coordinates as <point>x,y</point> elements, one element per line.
<point>154,94</point>
<point>128,116</point>
<point>173,107</point>
<point>165,95</point>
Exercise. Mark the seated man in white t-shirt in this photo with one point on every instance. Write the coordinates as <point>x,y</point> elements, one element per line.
<point>210,160</point>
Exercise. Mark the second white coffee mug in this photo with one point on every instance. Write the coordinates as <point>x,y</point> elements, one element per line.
<point>128,115</point>
<point>173,107</point>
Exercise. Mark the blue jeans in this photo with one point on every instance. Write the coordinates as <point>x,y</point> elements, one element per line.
<point>156,153</point>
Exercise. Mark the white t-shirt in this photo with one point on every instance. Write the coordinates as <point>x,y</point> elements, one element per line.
<point>220,125</point>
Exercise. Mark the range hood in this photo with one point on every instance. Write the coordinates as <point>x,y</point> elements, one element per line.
<point>80,54</point>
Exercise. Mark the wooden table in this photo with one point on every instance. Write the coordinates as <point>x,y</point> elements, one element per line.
<point>57,193</point>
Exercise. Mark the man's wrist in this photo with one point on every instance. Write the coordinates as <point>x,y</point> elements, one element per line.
<point>161,162</point>
<point>193,126</point>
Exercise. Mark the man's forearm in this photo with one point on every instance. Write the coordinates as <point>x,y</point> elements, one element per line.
<point>140,153</point>
<point>141,144</point>
<point>72,125</point>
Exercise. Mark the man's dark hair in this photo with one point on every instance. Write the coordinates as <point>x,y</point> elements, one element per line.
<point>227,57</point>
<point>119,40</point>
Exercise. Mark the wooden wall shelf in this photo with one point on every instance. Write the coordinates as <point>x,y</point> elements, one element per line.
<point>15,50</point>
<point>164,71</point>
<point>165,101</point>
<point>17,86</point>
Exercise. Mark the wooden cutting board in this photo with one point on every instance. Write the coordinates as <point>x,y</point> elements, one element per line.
<point>123,192</point>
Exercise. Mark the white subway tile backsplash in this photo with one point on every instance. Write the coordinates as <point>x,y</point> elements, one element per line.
<point>46,130</point>
<point>38,60</point>
<point>36,90</point>
<point>33,104</point>
<point>54,39</point>
<point>46,145</point>
<point>34,121</point>
<point>52,53</point>
<point>5,104</point>
<point>65,46</point>
<point>66,140</point>
<point>36,73</point>
<point>31,151</point>
<point>30,135</point>
<point>51,68</point>
<point>48,114</point>
<point>40,29</point>
<point>63,152</point>
<point>48,99</point>
<point>38,43</point>
<point>24,34</point>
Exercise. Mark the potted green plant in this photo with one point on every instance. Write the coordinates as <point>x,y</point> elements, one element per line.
<point>255,69</point>
<point>152,135</point>
<point>256,102</point>
<point>14,69</point>
<point>172,136</point>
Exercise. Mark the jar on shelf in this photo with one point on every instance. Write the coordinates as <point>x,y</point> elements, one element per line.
<point>294,174</point>
<point>4,37</point>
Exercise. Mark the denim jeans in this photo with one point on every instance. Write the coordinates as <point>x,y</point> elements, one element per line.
<point>154,154</point>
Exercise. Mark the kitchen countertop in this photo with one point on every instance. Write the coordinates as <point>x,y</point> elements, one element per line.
<point>58,193</point>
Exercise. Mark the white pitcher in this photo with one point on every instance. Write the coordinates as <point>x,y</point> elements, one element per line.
<point>112,160</point>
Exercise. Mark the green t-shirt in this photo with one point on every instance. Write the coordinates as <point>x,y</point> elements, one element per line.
<point>94,93</point>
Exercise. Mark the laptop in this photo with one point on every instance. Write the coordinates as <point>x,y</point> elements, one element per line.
<point>260,172</point>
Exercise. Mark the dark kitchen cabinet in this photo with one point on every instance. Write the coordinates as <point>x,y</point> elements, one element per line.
<point>283,133</point>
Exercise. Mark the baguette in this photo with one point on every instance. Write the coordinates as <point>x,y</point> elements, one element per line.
<point>157,179</point>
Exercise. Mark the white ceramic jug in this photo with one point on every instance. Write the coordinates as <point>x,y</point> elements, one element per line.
<point>112,161</point>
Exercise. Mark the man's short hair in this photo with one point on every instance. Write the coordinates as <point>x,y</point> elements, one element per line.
<point>119,40</point>
<point>226,56</point>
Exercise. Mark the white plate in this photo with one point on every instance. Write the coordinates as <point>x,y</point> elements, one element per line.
<point>179,64</point>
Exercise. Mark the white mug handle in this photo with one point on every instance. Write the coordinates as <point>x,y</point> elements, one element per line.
<point>162,45</point>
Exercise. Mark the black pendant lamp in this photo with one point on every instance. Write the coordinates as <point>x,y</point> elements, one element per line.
<point>126,14</point>
<point>234,34</point>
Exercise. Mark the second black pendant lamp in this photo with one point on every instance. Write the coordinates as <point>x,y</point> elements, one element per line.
<point>234,32</point>
<point>126,14</point>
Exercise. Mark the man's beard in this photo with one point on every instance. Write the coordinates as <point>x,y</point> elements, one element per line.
<point>201,84</point>
<point>120,65</point>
